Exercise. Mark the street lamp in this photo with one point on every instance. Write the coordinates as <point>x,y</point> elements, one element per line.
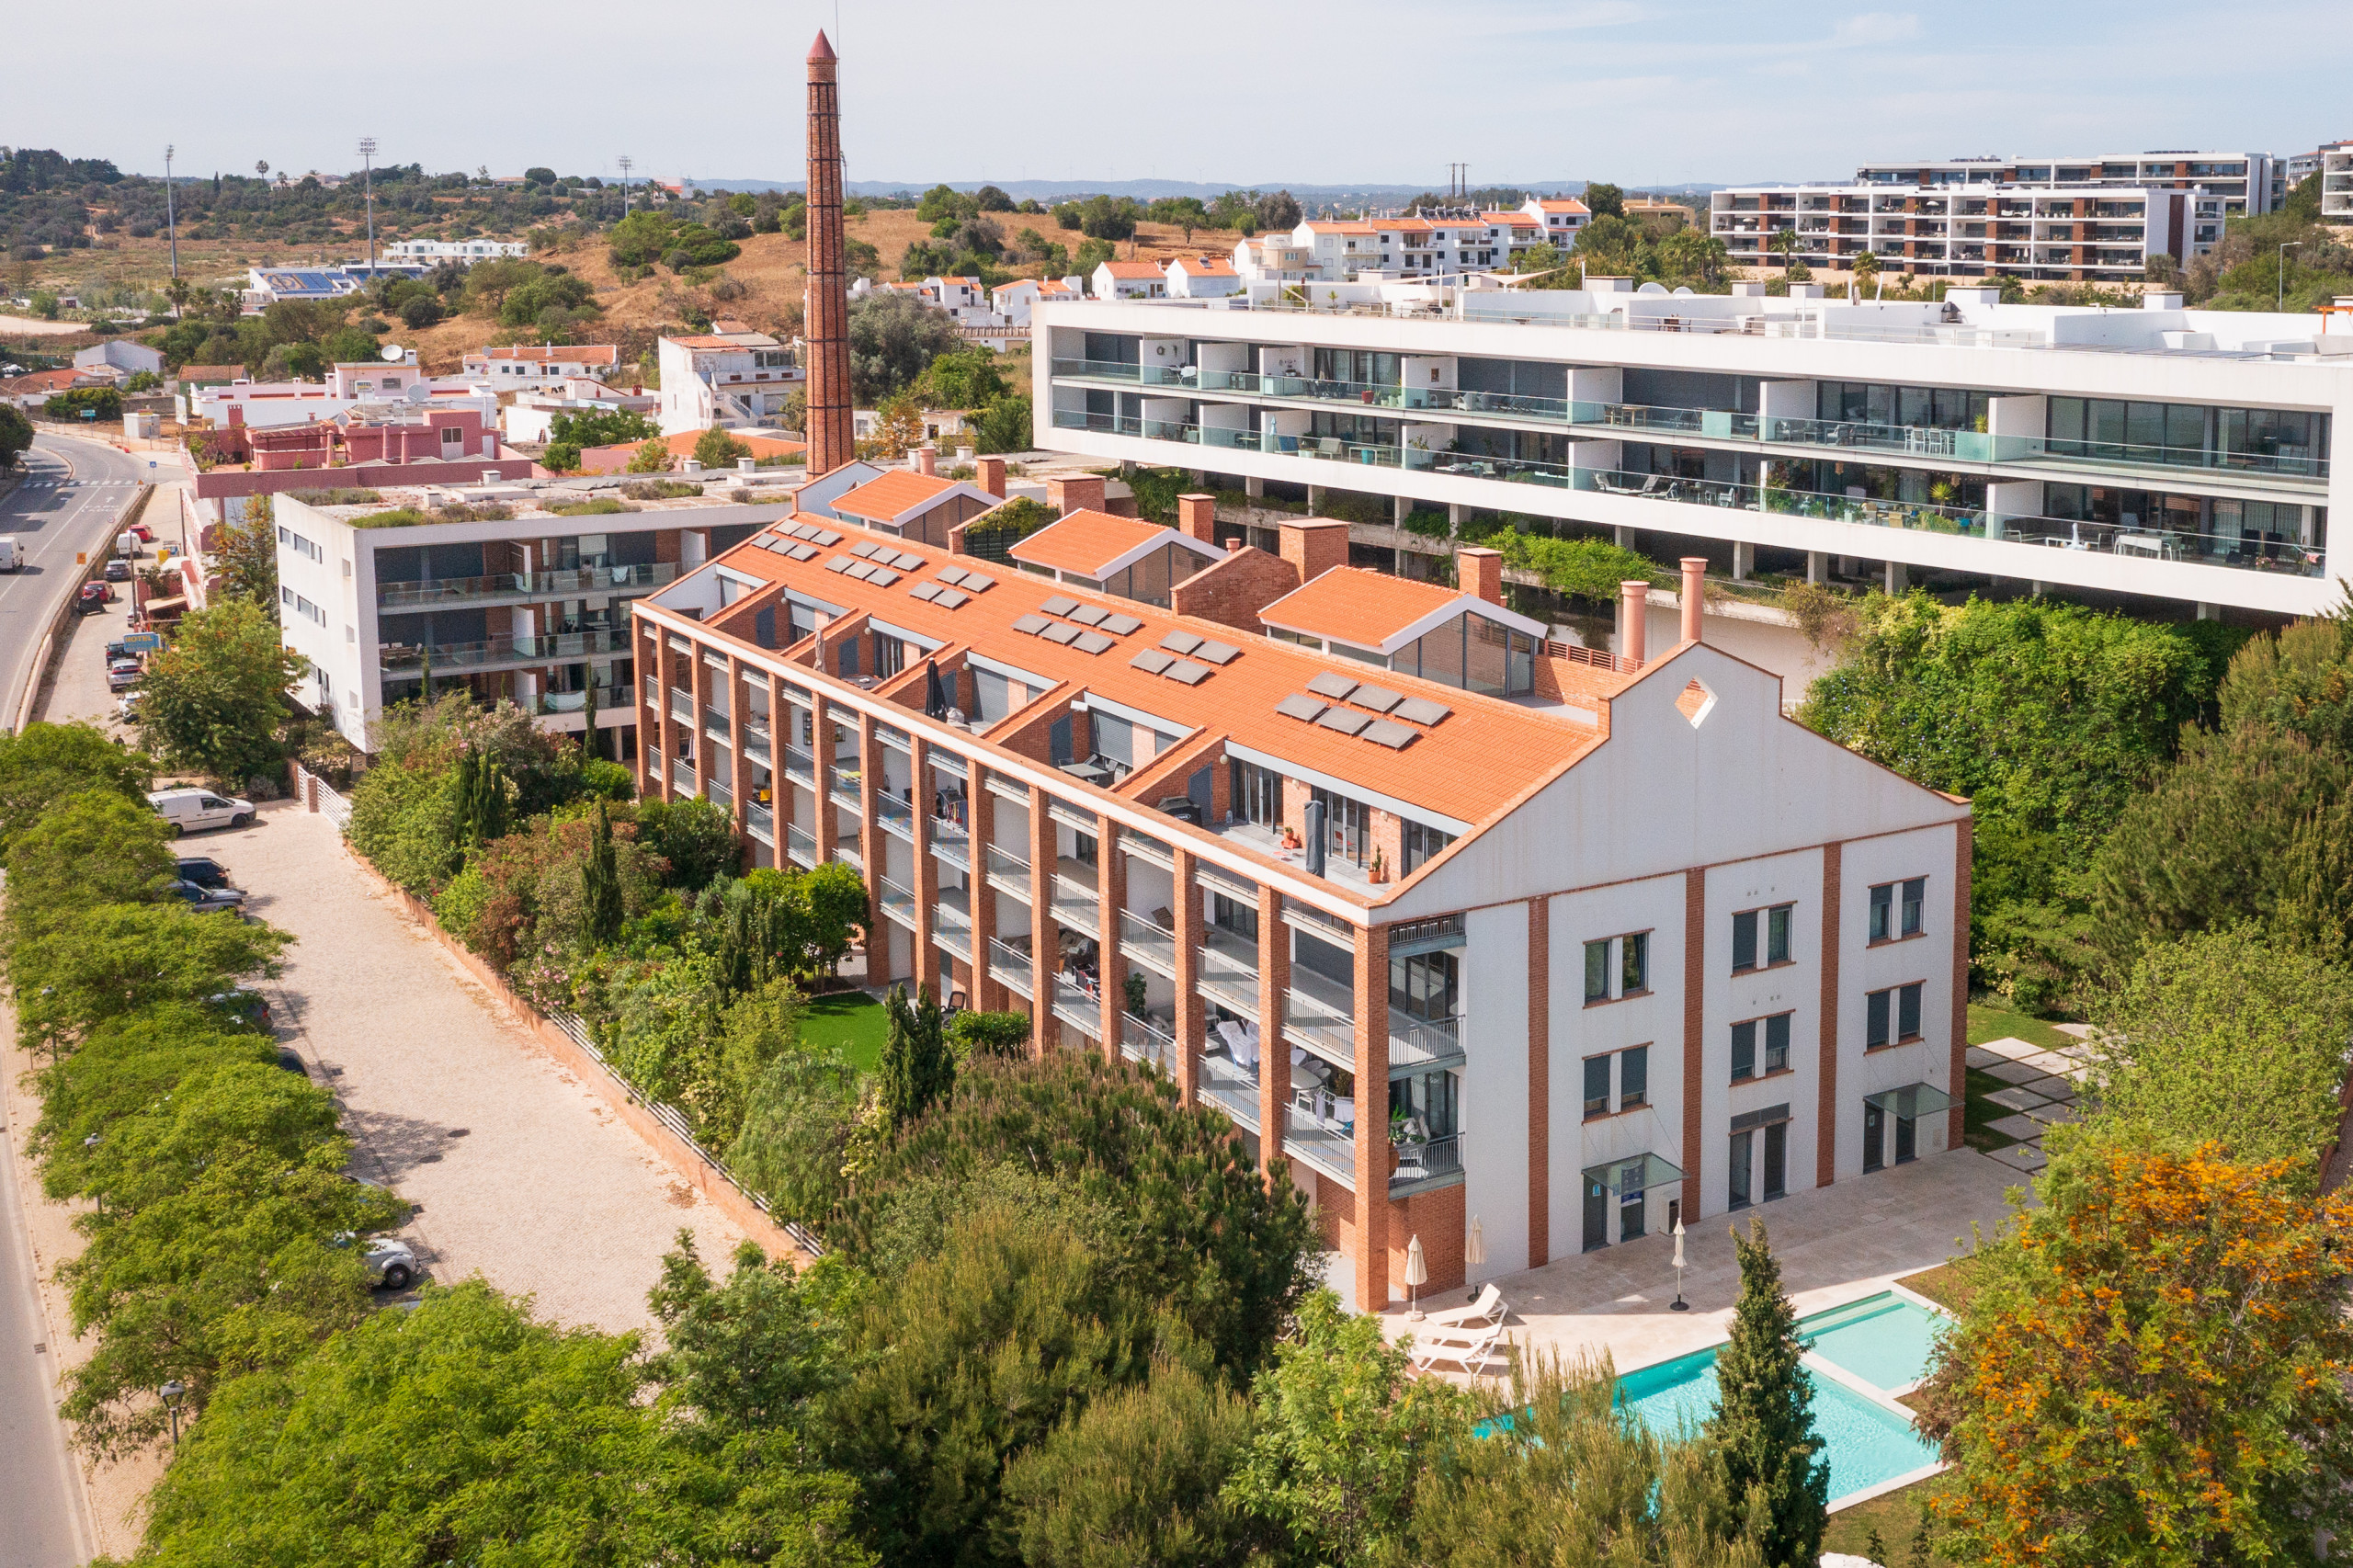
<point>173,1393</point>
<point>1679,1304</point>
<point>172,222</point>
<point>368,185</point>
<point>2279,296</point>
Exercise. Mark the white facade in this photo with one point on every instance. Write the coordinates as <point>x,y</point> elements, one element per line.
<point>121,354</point>
<point>2335,169</point>
<point>727,379</point>
<point>2162,453</point>
<point>468,251</point>
<point>2237,183</point>
<point>267,404</point>
<point>1128,280</point>
<point>2080,233</point>
<point>1202,277</point>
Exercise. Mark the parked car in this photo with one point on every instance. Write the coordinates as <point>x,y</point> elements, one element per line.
<point>117,571</point>
<point>204,900</point>
<point>94,598</point>
<point>146,535</point>
<point>122,677</point>
<point>190,810</point>
<point>203,870</point>
<point>391,1262</point>
<point>242,1004</point>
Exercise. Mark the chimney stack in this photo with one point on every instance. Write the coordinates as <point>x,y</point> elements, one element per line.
<point>1197,516</point>
<point>1077,493</point>
<point>1480,570</point>
<point>826,311</point>
<point>927,461</point>
<point>1695,580</point>
<point>992,477</point>
<point>1313,545</point>
<point>1633,630</point>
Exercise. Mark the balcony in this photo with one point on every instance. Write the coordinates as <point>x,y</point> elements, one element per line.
<point>800,845</point>
<point>951,842</point>
<point>1076,905</point>
<point>951,924</point>
<point>1435,1163</point>
<point>1220,1080</point>
<point>898,902</point>
<point>895,815</point>
<point>1078,1005</point>
<point>1229,972</point>
<point>1144,1038</point>
<point>613,703</point>
<point>847,791</point>
<point>1320,1141</point>
<point>682,777</point>
<point>505,652</point>
<point>682,708</point>
<point>1008,873</point>
<point>522,586</point>
<point>760,822</point>
<point>800,768</point>
<point>1153,945</point>
<point>756,740</point>
<point>1009,967</point>
<point>1320,1015</point>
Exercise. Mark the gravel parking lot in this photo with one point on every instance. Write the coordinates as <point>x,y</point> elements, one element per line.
<point>521,1173</point>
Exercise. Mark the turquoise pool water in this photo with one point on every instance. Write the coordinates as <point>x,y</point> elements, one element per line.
<point>1882,1339</point>
<point>1867,1445</point>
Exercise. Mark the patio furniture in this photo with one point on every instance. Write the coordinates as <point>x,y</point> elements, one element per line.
<point>1469,1352</point>
<point>1488,1308</point>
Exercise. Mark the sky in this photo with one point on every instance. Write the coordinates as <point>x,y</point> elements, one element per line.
<point>1257,93</point>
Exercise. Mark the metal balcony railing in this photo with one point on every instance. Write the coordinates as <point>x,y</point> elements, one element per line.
<point>951,842</point>
<point>1232,1088</point>
<point>1075,1004</point>
<point>848,793</point>
<point>800,845</point>
<point>1229,971</point>
<point>1077,906</point>
<point>1009,967</point>
<point>1008,872</point>
<point>895,815</point>
<point>1151,946</point>
<point>1323,1140</point>
<point>561,648</point>
<point>579,582</point>
<point>952,928</point>
<point>1145,1038</point>
<point>1435,1161</point>
<point>800,766</point>
<point>760,822</point>
<point>1320,1013</point>
<point>898,902</point>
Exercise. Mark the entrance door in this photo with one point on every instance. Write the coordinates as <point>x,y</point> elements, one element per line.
<point>1596,1215</point>
<point>1743,1153</point>
<point>1906,1137</point>
<point>1631,1209</point>
<point>1874,1137</point>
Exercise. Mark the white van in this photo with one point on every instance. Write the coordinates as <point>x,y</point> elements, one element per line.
<point>126,544</point>
<point>12,554</point>
<point>193,810</point>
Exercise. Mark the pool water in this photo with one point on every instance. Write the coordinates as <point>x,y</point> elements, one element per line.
<point>1885,1340</point>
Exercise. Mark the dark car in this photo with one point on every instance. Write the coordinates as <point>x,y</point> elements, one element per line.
<point>204,900</point>
<point>242,1006</point>
<point>203,870</point>
<point>93,599</point>
<point>117,571</point>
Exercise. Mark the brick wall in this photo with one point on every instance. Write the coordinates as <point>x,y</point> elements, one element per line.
<point>1314,545</point>
<point>1436,1217</point>
<point>1233,591</point>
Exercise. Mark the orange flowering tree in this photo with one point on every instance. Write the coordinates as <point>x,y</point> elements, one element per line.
<point>2153,1368</point>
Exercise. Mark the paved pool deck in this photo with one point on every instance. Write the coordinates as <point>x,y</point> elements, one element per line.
<point>1835,1244</point>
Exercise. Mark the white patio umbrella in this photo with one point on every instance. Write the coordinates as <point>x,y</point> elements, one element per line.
<point>1474,1251</point>
<point>1418,1274</point>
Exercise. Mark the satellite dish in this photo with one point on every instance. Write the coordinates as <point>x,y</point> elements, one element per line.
<point>392,354</point>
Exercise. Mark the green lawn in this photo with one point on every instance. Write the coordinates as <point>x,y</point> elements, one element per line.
<point>1991,1018</point>
<point>851,1021</point>
<point>1895,1515</point>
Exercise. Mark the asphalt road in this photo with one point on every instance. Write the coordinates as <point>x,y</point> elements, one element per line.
<point>71,494</point>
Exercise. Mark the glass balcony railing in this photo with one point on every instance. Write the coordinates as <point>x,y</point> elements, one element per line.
<point>579,583</point>
<point>951,842</point>
<point>800,845</point>
<point>682,776</point>
<point>682,706</point>
<point>895,815</point>
<point>1319,1013</point>
<point>1078,1005</point>
<point>1008,872</point>
<point>760,822</point>
<point>1149,944</point>
<point>1077,906</point>
<point>610,700</point>
<point>560,648</point>
<point>1144,1039</point>
<point>898,902</point>
<point>1320,1138</point>
<point>1233,1089</point>
<point>951,927</point>
<point>715,787</point>
<point>848,792</point>
<point>845,850</point>
<point>714,722</point>
<point>1229,971</point>
<point>1010,966</point>
<point>800,766</point>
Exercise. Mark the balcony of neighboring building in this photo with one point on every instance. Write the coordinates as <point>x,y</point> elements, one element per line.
<point>525,587</point>
<point>513,653</point>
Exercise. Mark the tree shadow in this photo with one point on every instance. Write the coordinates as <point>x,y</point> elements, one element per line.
<point>386,1145</point>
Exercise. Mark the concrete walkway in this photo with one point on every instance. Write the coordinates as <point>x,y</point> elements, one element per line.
<point>1837,1244</point>
<point>521,1173</point>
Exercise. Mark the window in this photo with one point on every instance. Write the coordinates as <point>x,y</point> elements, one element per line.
<point>1635,953</point>
<point>1743,1152</point>
<point>1777,932</point>
<point>1775,924</point>
<point>1423,843</point>
<point>1774,1032</point>
<point>1596,1085</point>
<point>1596,972</point>
<point>1257,794</point>
<point>1892,1016</point>
<point>1634,1069</point>
<point>1899,909</point>
<point>1632,970</point>
<point>1777,1042</point>
<point>1743,1050</point>
<point>1346,826</point>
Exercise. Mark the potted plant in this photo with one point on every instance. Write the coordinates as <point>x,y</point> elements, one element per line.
<point>1380,872</point>
<point>1291,838</point>
<point>1135,992</point>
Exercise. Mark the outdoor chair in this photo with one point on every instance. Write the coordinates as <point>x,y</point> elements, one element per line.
<point>1469,1351</point>
<point>1488,1310</point>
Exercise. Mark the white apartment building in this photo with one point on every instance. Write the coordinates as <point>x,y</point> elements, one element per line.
<point>467,251</point>
<point>2335,170</point>
<point>2162,453</point>
<point>2080,234</point>
<point>267,404</point>
<point>2237,183</point>
<point>1476,932</point>
<point>530,609</point>
<point>1434,245</point>
<point>530,366</point>
<point>724,379</point>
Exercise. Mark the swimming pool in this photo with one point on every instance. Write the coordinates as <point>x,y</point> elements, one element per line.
<point>1885,1339</point>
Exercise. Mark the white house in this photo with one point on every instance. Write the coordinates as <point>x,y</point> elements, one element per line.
<point>121,354</point>
<point>1278,257</point>
<point>263,404</point>
<point>1202,277</point>
<point>729,379</point>
<point>1130,280</point>
<point>467,251</point>
<point>526,365</point>
<point>531,415</point>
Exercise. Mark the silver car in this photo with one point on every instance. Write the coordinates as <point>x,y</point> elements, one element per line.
<point>390,1261</point>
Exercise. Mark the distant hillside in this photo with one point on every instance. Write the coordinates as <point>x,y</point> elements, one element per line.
<point>1154,189</point>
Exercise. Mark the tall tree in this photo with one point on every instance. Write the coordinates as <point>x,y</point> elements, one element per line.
<point>1604,199</point>
<point>1763,1424</point>
<point>601,885</point>
<point>247,552</point>
<point>918,1070</point>
<point>213,700</point>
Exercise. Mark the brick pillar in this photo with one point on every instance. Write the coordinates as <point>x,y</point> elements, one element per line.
<point>1540,1082</point>
<point>1192,1017</point>
<point>1695,976</point>
<point>1043,955</point>
<point>992,476</point>
<point>1273,1052</point>
<point>666,728</point>
<point>1197,516</point>
<point>873,847</point>
<point>926,882</point>
<point>987,995</point>
<point>699,687</point>
<point>1958,1084</point>
<point>1372,1151</point>
<point>826,829</point>
<point>310,793</point>
<point>739,771</point>
<point>1111,964</point>
<point>781,730</point>
<point>1825,1135</point>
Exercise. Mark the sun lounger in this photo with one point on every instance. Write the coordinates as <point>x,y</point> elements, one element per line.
<point>1469,1352</point>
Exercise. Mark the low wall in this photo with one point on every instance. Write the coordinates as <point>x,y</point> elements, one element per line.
<point>689,1159</point>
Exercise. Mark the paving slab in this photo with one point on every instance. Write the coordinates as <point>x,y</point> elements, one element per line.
<point>2020,1156</point>
<point>2011,1048</point>
<point>2016,1071</point>
<point>2019,1127</point>
<point>1979,1056</point>
<point>2016,1098</point>
<point>2050,1115</point>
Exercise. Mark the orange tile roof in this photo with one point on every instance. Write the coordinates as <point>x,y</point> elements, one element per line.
<point>51,380</point>
<point>1206,266</point>
<point>1132,268</point>
<point>1470,766</point>
<point>894,496</point>
<point>210,372</point>
<point>1086,541</point>
<point>1563,206</point>
<point>1358,606</point>
<point>1055,286</point>
<point>1329,226</point>
<point>761,340</point>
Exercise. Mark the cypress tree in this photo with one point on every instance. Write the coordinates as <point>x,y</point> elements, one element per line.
<point>1764,1420</point>
<point>588,735</point>
<point>917,1069</point>
<point>600,884</point>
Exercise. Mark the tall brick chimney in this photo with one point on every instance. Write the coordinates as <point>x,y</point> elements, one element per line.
<point>1481,572</point>
<point>825,313</point>
<point>1634,621</point>
<point>1314,545</point>
<point>1077,493</point>
<point>992,477</point>
<point>1694,596</point>
<point>1197,516</point>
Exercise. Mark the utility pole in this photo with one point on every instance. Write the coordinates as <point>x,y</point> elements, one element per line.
<point>172,222</point>
<point>625,165</point>
<point>368,184</point>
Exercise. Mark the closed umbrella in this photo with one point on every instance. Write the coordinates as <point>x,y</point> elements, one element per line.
<point>935,695</point>
<point>1474,1251</point>
<point>1418,1274</point>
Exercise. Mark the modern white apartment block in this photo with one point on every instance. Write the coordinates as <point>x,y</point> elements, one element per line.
<point>1482,930</point>
<point>2079,234</point>
<point>1438,245</point>
<point>531,606</point>
<point>2241,183</point>
<point>2162,453</point>
<point>467,251</point>
<point>724,379</point>
<point>2335,171</point>
<point>531,366</point>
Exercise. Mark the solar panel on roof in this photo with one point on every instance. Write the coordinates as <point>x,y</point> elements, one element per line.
<point>906,563</point>
<point>926,591</point>
<point>1299,706</point>
<point>881,576</point>
<point>765,541</point>
<point>805,553</point>
<point>1343,720</point>
<point>1060,632</point>
<point>864,548</point>
<point>1180,642</point>
<point>840,564</point>
<point>1332,685</point>
<point>1092,642</point>
<point>798,531</point>
<point>1188,672</point>
<point>1396,737</point>
<point>1089,615</point>
<point>1059,605</point>
<point>950,598</point>
<point>1151,662</point>
<point>1379,699</point>
<point>977,582</point>
<point>951,574</point>
<point>1421,710</point>
<point>1217,653</point>
<point>826,537</point>
<point>1120,625</point>
<point>857,569</point>
<point>1031,624</point>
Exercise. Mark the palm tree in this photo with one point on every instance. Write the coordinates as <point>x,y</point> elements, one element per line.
<point>1785,244</point>
<point>1865,267</point>
<point>261,167</point>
